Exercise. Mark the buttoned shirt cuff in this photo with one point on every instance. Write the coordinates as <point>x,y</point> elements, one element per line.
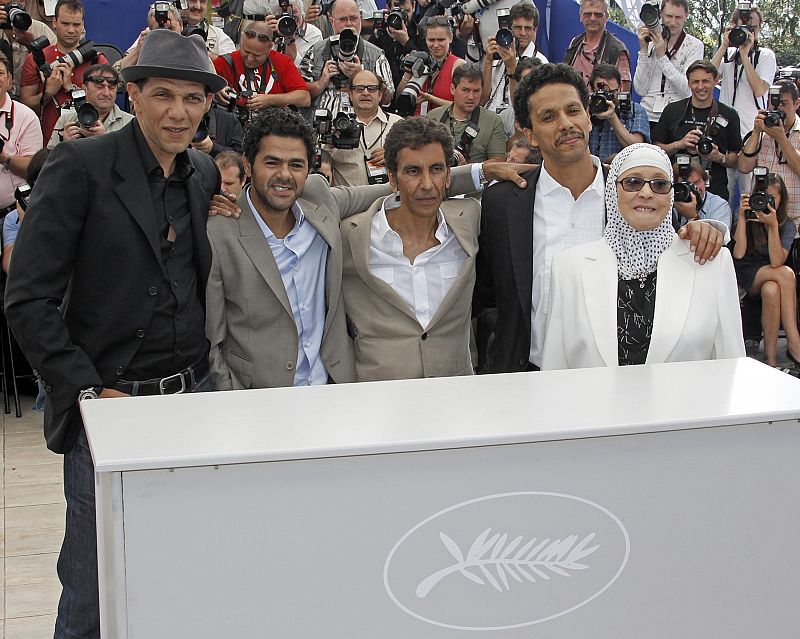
<point>722,228</point>
<point>476,176</point>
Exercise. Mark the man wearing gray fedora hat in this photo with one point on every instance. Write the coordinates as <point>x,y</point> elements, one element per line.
<point>121,219</point>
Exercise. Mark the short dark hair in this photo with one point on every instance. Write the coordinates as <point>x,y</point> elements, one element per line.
<point>7,64</point>
<point>467,71</point>
<point>71,6</point>
<point>542,75</point>
<point>703,65</point>
<point>678,3</point>
<point>227,159</point>
<point>414,133</point>
<point>787,86</point>
<point>605,72</point>
<point>282,122</point>
<point>101,68</point>
<point>35,166</point>
<point>533,155</point>
<point>525,63</point>
<point>525,10</point>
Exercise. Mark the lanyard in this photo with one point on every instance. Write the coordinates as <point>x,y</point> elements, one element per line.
<point>737,76</point>
<point>374,142</point>
<point>266,72</point>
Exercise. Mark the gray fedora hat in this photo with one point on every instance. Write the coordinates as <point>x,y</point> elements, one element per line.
<point>166,54</point>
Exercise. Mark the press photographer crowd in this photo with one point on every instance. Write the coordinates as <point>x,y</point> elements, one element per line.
<point>273,193</point>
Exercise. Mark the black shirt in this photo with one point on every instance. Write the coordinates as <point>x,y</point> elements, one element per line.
<point>678,118</point>
<point>636,308</point>
<point>176,337</point>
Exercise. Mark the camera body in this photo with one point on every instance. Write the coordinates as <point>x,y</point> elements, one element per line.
<point>287,25</point>
<point>598,101</point>
<point>624,105</point>
<point>420,64</point>
<point>83,53</point>
<point>650,15</point>
<point>344,45</point>
<point>396,18</point>
<point>683,189</point>
<point>86,112</point>
<point>464,143</point>
<point>504,37</point>
<point>738,35</point>
<point>22,194</point>
<point>760,200</point>
<point>161,14</point>
<point>774,116</point>
<point>18,18</point>
<point>341,131</point>
<point>713,127</point>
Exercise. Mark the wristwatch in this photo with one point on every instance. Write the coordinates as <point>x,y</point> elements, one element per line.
<point>482,176</point>
<point>93,392</point>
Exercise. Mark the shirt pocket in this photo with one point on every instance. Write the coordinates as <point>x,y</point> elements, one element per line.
<point>385,274</point>
<point>449,270</point>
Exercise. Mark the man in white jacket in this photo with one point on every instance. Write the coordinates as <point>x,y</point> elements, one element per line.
<point>660,76</point>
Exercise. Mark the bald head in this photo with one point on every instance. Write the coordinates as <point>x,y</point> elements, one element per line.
<point>365,94</point>
<point>345,15</point>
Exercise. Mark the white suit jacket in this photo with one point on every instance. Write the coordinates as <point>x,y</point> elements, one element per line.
<point>696,316</point>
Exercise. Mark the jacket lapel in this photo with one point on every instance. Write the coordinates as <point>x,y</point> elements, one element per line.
<point>460,227</point>
<point>673,288</point>
<point>199,201</point>
<point>599,280</point>
<point>134,190</point>
<point>359,244</point>
<point>257,249</point>
<point>520,233</point>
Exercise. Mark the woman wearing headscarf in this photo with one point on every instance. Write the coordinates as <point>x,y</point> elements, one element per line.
<point>637,296</point>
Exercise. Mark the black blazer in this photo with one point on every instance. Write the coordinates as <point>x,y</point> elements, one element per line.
<point>505,271</point>
<point>90,225</point>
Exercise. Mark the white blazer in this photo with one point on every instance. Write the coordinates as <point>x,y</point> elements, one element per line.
<point>696,316</point>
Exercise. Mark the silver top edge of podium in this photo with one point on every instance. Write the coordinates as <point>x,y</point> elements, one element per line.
<point>431,414</point>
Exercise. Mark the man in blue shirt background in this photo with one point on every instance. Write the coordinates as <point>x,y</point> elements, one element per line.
<point>710,207</point>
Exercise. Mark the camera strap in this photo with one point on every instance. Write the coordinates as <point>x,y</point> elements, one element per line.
<point>670,53</point>
<point>738,70</point>
<point>447,118</point>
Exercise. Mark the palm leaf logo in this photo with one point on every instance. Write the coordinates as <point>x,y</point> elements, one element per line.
<point>492,559</point>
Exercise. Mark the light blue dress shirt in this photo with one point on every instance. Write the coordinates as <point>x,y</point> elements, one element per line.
<point>301,257</point>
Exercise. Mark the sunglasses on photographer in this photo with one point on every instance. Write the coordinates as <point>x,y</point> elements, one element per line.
<point>99,80</point>
<point>262,37</point>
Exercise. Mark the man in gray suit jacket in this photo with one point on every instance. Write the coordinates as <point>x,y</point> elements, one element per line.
<point>274,309</point>
<point>409,264</point>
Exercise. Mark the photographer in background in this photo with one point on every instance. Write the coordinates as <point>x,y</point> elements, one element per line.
<point>326,68</point>
<point>231,169</point>
<point>703,205</point>
<point>219,132</point>
<point>259,77</point>
<point>14,218</point>
<point>777,146</point>
<point>20,40</point>
<point>47,94</point>
<point>395,42</point>
<point>102,81</point>
<point>437,89</point>
<point>466,114</point>
<point>162,15</point>
<point>364,164</point>
<point>701,125</point>
<point>306,36</point>
<point>217,41</point>
<point>621,123</point>
<point>497,74</point>
<point>746,70</point>
<point>660,76</point>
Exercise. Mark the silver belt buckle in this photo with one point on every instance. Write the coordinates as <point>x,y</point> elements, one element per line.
<point>165,380</point>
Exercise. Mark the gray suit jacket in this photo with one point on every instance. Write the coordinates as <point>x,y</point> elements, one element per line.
<point>389,341</point>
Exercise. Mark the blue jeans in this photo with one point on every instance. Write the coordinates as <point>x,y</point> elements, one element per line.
<point>79,606</point>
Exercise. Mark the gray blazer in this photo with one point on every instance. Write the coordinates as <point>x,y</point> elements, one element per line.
<point>389,341</point>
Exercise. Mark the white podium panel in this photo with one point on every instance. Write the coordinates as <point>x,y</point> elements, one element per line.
<point>604,503</point>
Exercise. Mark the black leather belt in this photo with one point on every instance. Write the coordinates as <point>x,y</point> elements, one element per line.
<point>180,382</point>
<point>258,17</point>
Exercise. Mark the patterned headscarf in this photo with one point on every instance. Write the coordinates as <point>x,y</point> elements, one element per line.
<point>637,251</point>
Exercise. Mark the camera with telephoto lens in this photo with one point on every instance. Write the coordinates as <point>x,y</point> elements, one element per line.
<point>237,104</point>
<point>22,194</point>
<point>37,51</point>
<point>504,37</point>
<point>713,127</point>
<point>396,18</point>
<point>344,45</point>
<point>201,29</point>
<point>420,64</point>
<point>738,35</point>
<point>760,200</point>
<point>341,131</point>
<point>378,21</point>
<point>683,189</point>
<point>17,18</point>
<point>287,25</point>
<point>84,53</point>
<point>774,117</point>
<point>161,14</point>
<point>650,15</point>
<point>85,111</point>
<point>598,100</point>
<point>465,143</point>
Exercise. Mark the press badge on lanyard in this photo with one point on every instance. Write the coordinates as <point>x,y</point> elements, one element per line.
<point>375,174</point>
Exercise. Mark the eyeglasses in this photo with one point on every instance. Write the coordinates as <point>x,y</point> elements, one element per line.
<point>437,21</point>
<point>262,37</point>
<point>632,184</point>
<point>593,14</point>
<point>99,80</point>
<point>369,88</point>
